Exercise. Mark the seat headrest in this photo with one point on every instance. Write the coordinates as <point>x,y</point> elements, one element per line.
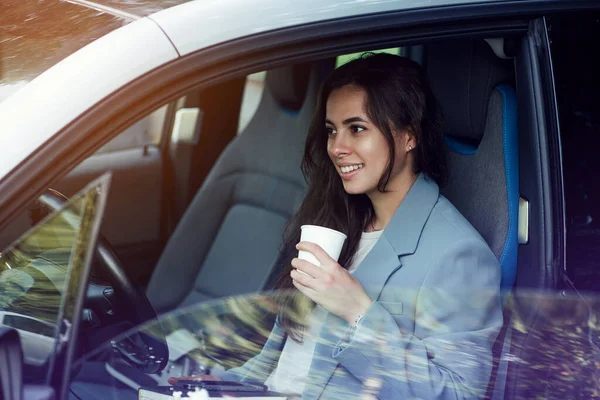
<point>289,84</point>
<point>463,74</point>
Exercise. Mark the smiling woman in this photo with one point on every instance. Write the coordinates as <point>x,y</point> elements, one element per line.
<point>358,148</point>
<point>374,158</point>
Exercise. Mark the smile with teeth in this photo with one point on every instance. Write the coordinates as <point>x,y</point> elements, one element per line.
<point>351,168</point>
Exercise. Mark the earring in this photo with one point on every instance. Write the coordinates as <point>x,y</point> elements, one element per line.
<point>409,148</point>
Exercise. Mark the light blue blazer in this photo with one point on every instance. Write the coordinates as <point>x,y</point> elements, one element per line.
<point>430,330</point>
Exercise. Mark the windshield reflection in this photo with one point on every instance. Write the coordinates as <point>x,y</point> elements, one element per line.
<point>42,278</point>
<point>555,352</point>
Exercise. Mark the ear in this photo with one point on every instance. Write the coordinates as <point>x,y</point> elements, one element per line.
<point>408,141</point>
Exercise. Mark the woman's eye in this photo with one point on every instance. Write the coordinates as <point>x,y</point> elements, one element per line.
<point>357,128</point>
<point>330,131</point>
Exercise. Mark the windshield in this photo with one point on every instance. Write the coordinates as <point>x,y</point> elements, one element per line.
<point>220,338</point>
<point>36,35</point>
<point>140,8</point>
<point>42,279</point>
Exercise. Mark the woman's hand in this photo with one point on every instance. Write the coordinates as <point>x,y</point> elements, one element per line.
<point>329,285</point>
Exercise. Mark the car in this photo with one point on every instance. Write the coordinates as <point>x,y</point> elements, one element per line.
<point>198,113</point>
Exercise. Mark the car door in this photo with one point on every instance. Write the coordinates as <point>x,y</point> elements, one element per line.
<point>560,356</point>
<point>37,37</point>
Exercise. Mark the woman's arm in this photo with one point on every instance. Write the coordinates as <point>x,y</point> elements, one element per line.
<point>259,367</point>
<point>449,355</point>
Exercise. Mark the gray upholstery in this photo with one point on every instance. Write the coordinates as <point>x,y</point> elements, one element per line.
<point>229,239</point>
<point>288,86</point>
<point>473,115</point>
<point>477,184</point>
<point>483,182</point>
<point>463,75</point>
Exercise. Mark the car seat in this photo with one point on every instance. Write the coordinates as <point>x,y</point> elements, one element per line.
<point>475,89</point>
<point>228,241</point>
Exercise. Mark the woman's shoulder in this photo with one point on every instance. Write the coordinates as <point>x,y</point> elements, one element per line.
<point>448,236</point>
<point>447,223</point>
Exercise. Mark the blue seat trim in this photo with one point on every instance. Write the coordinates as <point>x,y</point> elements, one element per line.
<point>460,147</point>
<point>508,259</point>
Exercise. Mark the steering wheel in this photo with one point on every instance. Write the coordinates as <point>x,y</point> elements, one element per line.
<point>148,352</point>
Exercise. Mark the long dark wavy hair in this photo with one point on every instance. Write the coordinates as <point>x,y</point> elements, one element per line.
<point>398,98</point>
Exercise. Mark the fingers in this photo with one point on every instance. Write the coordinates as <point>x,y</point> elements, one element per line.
<point>307,267</point>
<point>316,251</point>
<point>306,284</point>
<point>303,279</point>
<point>310,293</point>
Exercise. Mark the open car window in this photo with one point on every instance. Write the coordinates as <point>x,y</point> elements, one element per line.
<point>43,276</point>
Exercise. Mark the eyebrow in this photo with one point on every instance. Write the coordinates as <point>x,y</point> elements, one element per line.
<point>347,121</point>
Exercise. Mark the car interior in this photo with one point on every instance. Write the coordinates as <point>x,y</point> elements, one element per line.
<point>199,187</point>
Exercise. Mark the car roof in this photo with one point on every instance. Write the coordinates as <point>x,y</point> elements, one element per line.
<point>200,24</point>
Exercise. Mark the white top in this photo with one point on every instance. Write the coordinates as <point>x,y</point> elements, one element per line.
<point>290,375</point>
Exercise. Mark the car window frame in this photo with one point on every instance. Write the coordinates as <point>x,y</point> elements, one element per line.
<point>251,54</point>
<point>84,135</point>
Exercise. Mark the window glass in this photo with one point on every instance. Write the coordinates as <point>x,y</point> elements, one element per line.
<point>37,35</point>
<point>343,59</point>
<point>42,277</point>
<point>578,96</point>
<point>255,84</point>
<point>146,132</point>
<point>253,90</point>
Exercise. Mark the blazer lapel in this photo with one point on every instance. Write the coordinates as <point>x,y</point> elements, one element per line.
<point>400,237</point>
<point>381,262</point>
<point>404,230</point>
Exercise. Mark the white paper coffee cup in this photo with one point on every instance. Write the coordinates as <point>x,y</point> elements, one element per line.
<point>330,240</point>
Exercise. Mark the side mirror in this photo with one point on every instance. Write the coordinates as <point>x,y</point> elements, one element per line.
<point>11,365</point>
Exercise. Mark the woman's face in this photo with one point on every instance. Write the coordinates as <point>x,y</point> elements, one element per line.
<point>357,148</point>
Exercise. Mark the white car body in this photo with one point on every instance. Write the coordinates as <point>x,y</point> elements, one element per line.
<point>58,96</point>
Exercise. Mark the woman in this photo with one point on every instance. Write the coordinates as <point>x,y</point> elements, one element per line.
<point>412,308</point>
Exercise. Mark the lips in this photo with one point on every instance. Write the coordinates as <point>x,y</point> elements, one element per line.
<point>347,172</point>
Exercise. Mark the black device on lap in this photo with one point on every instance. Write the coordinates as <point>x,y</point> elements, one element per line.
<point>219,386</point>
<point>216,389</point>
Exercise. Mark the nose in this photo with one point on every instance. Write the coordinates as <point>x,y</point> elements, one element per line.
<point>339,145</point>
